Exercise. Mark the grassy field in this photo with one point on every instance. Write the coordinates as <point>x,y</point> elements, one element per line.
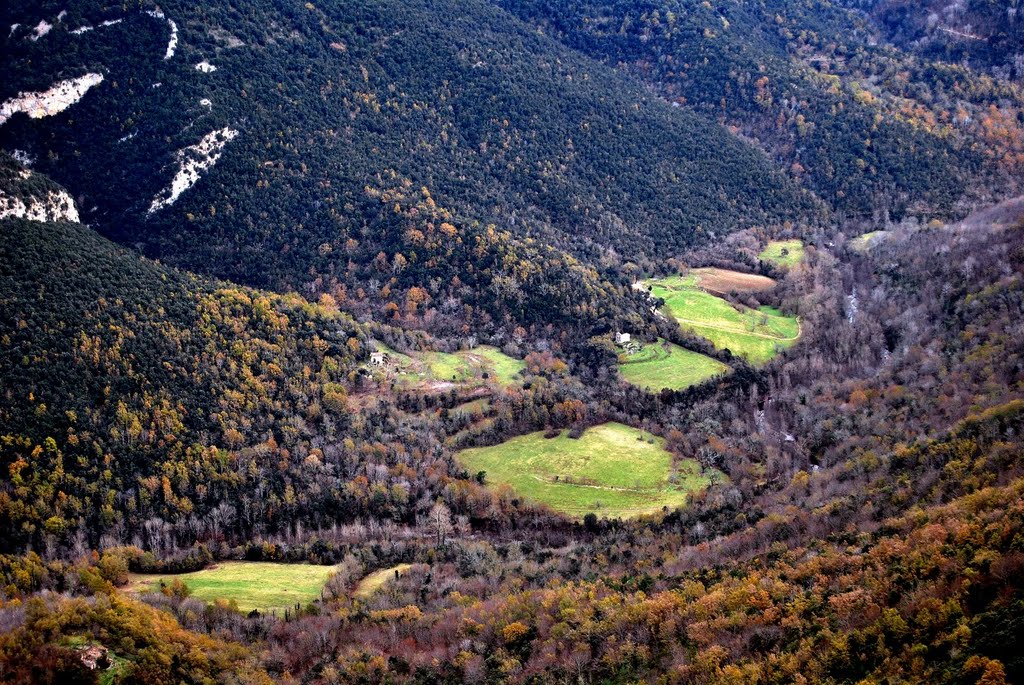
<point>666,365</point>
<point>784,253</point>
<point>755,335</point>
<point>442,366</point>
<point>864,243</point>
<point>252,584</point>
<point>503,368</point>
<point>378,579</point>
<point>463,367</point>
<point>479,406</point>
<point>612,470</point>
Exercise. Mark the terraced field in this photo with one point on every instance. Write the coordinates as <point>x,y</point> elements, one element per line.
<point>756,335</point>
<point>666,365</point>
<point>612,470</point>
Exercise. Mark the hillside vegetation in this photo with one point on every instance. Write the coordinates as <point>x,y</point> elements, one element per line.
<point>342,334</point>
<point>986,35</point>
<point>150,392</point>
<point>870,129</point>
<point>754,334</point>
<point>611,470</point>
<point>332,101</point>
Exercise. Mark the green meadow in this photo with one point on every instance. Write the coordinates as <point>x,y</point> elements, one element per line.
<point>667,365</point>
<point>784,253</point>
<point>864,243</point>
<point>483,364</point>
<point>378,579</point>
<point>251,584</point>
<point>611,470</point>
<point>757,335</point>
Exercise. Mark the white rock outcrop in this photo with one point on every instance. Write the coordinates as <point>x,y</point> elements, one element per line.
<point>56,206</point>
<point>23,157</point>
<point>172,43</point>
<point>85,29</point>
<point>193,161</point>
<point>53,101</point>
<point>41,29</point>
<point>205,67</point>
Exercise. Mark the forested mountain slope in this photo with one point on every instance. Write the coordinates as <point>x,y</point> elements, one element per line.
<point>869,128</point>
<point>882,541</point>
<point>311,109</point>
<point>143,404</point>
<point>987,35</point>
<point>235,325</point>
<point>124,380</point>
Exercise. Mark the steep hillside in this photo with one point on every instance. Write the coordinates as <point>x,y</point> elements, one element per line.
<point>317,320</point>
<point>287,117</point>
<point>986,35</point>
<point>868,128</point>
<point>143,404</point>
<point>115,369</point>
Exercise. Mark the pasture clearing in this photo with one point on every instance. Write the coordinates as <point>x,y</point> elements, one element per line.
<point>378,579</point>
<point>439,370</point>
<point>612,470</point>
<point>757,335</point>
<point>864,243</point>
<point>474,407</point>
<point>667,365</point>
<point>265,586</point>
<point>783,253</point>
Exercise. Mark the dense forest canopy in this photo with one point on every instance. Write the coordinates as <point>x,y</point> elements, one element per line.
<point>869,128</point>
<point>987,35</point>
<point>270,272</point>
<point>502,124</point>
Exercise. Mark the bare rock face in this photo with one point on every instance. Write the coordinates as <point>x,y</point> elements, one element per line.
<point>27,195</point>
<point>172,42</point>
<point>193,161</point>
<point>55,206</point>
<point>53,101</point>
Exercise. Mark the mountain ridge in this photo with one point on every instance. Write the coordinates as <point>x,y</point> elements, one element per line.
<point>544,179</point>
